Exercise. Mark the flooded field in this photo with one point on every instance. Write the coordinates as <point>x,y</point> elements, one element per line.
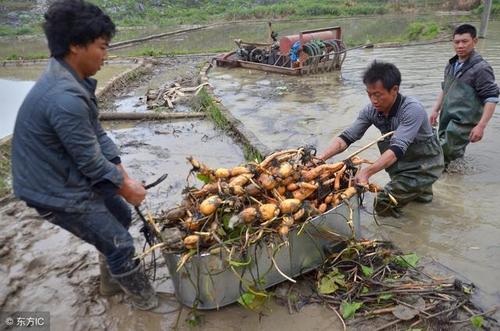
<point>22,46</point>
<point>459,228</point>
<point>222,37</point>
<point>45,268</point>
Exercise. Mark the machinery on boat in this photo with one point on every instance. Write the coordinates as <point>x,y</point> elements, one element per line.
<point>310,51</point>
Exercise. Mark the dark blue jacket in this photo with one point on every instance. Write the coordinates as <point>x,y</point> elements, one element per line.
<point>59,149</point>
<point>477,73</point>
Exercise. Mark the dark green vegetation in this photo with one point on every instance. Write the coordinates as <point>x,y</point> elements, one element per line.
<point>495,9</point>
<point>421,30</point>
<point>15,31</point>
<point>203,101</point>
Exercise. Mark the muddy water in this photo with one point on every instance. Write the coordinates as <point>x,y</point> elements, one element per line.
<point>167,71</point>
<point>16,81</point>
<point>17,91</point>
<point>461,227</point>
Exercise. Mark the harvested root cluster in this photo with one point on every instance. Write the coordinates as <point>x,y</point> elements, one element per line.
<point>244,204</point>
<point>364,279</point>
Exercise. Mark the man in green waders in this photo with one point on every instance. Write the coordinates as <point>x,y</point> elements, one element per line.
<point>412,155</point>
<point>468,98</point>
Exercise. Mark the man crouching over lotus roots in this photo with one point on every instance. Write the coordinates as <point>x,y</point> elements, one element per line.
<point>412,155</point>
<point>64,164</point>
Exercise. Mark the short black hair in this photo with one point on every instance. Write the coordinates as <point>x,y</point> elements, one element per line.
<point>385,72</point>
<point>466,28</point>
<point>75,22</point>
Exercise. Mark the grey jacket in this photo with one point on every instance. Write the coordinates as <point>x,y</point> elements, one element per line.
<point>407,118</point>
<point>59,149</point>
<point>478,74</point>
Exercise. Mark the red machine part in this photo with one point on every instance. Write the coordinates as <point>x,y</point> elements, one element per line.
<point>286,42</point>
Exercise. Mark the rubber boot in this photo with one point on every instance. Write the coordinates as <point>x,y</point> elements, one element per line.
<point>384,207</point>
<point>139,289</point>
<point>108,286</point>
<point>143,296</point>
<point>424,198</point>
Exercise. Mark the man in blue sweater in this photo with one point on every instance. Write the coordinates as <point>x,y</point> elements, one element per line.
<point>64,164</point>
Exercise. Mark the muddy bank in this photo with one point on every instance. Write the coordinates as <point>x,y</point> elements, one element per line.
<point>130,97</point>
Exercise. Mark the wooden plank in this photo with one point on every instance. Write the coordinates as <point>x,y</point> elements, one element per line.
<point>108,116</point>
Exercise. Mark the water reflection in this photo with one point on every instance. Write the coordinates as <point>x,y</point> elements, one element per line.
<point>460,227</point>
<point>16,81</point>
<point>12,95</point>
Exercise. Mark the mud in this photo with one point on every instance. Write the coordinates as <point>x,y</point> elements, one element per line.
<point>46,269</point>
<point>164,71</point>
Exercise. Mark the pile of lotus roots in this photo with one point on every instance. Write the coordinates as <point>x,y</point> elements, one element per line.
<point>246,203</point>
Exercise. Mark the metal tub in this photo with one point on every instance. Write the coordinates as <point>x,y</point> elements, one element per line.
<point>208,282</point>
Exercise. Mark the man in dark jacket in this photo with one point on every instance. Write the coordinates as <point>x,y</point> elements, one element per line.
<point>64,164</point>
<point>468,98</point>
<point>411,156</point>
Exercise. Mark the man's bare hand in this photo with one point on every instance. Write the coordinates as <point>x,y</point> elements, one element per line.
<point>362,177</point>
<point>315,162</point>
<point>476,134</point>
<point>132,191</point>
<point>433,118</point>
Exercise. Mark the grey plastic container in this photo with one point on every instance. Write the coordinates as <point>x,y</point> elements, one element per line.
<point>207,281</point>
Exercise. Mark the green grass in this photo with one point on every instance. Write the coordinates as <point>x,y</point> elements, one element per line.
<point>495,9</point>
<point>6,30</point>
<point>251,154</point>
<point>156,52</point>
<point>422,31</point>
<point>28,56</point>
<point>5,175</point>
<point>127,13</point>
<point>204,102</point>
